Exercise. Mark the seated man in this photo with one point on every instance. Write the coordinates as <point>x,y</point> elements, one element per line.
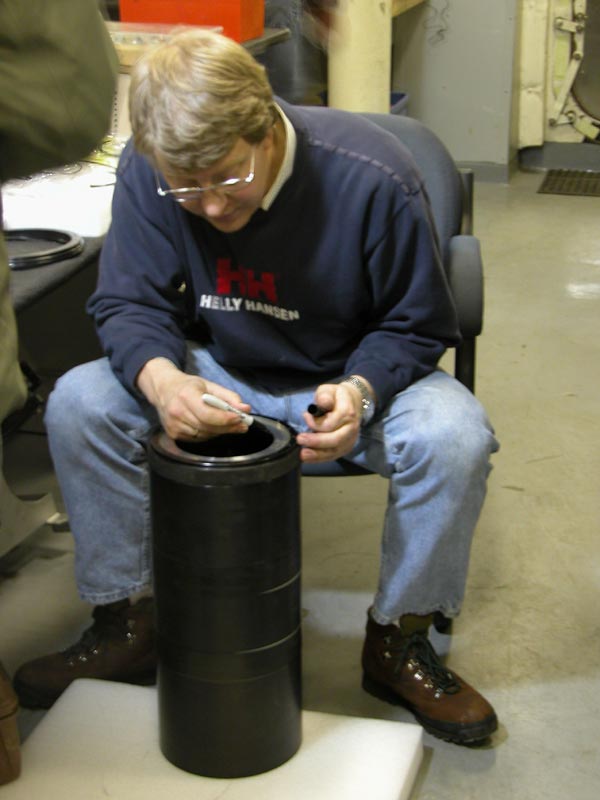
<point>274,256</point>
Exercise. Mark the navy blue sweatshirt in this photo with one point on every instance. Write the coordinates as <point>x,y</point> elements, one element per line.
<point>342,275</point>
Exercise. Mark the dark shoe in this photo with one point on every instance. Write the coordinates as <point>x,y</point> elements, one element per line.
<point>119,646</point>
<point>10,751</point>
<point>402,667</point>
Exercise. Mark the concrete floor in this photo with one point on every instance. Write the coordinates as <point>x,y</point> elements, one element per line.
<point>529,635</point>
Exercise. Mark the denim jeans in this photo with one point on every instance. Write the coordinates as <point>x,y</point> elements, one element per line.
<point>433,443</point>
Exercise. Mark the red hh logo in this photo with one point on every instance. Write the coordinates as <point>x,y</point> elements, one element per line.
<point>245,282</point>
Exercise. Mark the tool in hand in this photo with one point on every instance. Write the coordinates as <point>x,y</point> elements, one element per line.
<point>216,402</point>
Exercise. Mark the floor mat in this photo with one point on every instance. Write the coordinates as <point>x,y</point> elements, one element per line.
<point>571,181</point>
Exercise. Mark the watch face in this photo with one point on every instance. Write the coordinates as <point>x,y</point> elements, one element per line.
<point>368,413</point>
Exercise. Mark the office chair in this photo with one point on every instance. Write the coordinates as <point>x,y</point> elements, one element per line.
<point>450,192</point>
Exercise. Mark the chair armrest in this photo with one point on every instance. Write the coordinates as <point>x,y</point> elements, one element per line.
<point>465,276</point>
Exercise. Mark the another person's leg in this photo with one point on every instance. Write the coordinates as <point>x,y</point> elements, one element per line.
<point>434,443</point>
<point>10,748</point>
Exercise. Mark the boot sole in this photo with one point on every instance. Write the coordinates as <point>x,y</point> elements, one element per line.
<point>469,735</point>
<point>35,698</point>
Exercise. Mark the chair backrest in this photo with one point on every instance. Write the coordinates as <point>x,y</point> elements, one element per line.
<point>442,179</point>
<point>450,194</point>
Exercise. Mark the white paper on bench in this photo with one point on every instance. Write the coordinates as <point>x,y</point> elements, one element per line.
<point>61,201</point>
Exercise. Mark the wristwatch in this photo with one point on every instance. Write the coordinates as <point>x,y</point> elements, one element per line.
<point>366,398</point>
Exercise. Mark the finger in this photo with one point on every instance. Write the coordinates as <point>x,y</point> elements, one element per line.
<point>226,394</point>
<point>315,423</point>
<point>319,451</point>
<point>324,439</point>
<point>316,456</point>
<point>190,431</point>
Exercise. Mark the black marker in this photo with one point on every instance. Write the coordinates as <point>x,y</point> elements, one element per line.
<point>316,410</point>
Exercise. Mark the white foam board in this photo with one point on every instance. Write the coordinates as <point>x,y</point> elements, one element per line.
<point>101,740</point>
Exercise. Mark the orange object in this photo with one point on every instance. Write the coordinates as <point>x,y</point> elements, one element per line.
<point>240,19</point>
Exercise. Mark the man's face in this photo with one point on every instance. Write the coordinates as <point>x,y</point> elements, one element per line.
<point>228,209</point>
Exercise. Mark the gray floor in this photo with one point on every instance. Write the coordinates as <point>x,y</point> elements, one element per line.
<point>529,635</point>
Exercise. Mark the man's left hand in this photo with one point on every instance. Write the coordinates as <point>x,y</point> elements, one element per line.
<point>334,434</point>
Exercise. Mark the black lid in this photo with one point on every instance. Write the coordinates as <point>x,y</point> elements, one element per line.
<point>35,247</point>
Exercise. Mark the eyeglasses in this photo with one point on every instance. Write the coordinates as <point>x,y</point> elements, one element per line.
<point>193,192</point>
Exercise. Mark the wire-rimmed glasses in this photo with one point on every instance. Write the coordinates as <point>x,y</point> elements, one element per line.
<point>185,194</point>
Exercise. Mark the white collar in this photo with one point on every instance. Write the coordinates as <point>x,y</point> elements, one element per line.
<point>287,164</point>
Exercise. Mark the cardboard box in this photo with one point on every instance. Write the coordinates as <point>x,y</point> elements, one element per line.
<point>240,19</point>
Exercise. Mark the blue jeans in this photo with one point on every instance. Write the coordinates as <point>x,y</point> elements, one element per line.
<point>433,443</point>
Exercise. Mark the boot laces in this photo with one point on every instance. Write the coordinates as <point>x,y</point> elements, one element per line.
<point>417,649</point>
<point>87,645</point>
<point>107,621</point>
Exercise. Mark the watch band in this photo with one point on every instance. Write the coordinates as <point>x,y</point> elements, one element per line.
<point>366,398</point>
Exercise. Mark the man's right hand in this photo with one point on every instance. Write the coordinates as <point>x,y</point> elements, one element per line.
<point>177,397</point>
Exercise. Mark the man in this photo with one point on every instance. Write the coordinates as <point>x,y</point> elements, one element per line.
<point>274,256</point>
<point>57,80</point>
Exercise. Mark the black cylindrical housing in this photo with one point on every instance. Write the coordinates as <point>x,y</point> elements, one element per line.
<point>226,540</point>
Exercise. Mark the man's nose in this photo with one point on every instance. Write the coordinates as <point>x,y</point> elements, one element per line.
<point>213,203</point>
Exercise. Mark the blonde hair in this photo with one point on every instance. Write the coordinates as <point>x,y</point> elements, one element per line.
<point>193,96</point>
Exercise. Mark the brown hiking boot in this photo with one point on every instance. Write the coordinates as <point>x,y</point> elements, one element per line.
<point>119,646</point>
<point>10,752</point>
<point>401,666</point>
